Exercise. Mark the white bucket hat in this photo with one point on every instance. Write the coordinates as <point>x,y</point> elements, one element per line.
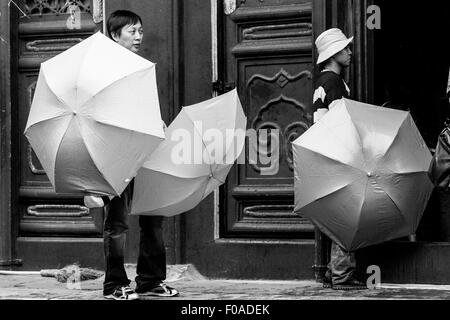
<point>330,42</point>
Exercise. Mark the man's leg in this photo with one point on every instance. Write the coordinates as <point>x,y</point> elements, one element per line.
<point>114,234</point>
<point>151,265</point>
<point>343,267</point>
<point>342,264</point>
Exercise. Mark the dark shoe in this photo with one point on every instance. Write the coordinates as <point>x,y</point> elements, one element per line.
<point>160,290</point>
<point>351,284</point>
<point>327,283</point>
<point>122,293</point>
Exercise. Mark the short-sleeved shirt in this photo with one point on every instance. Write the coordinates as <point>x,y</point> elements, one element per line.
<point>329,87</point>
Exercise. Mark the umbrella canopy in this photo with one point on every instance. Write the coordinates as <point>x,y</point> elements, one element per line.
<point>361,174</point>
<point>202,144</point>
<point>95,117</point>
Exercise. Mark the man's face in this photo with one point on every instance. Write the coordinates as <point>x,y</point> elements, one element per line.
<point>344,57</point>
<point>130,37</point>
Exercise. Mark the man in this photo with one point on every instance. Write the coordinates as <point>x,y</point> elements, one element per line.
<point>125,28</point>
<point>334,56</point>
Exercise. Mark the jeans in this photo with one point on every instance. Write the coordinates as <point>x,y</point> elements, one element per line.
<point>151,264</point>
<point>342,264</point>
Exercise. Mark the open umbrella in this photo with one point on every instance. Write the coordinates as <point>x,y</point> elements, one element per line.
<point>202,144</point>
<point>95,117</point>
<point>361,174</point>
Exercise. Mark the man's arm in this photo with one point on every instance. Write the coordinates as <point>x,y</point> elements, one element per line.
<point>92,201</point>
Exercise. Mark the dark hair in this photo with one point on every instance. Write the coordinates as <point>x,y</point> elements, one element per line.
<point>322,65</point>
<point>119,19</point>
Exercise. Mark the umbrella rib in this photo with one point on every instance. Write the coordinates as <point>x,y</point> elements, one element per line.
<point>395,204</point>
<point>213,177</point>
<point>82,65</point>
<point>48,119</point>
<point>203,142</point>
<point>65,111</point>
<point>332,159</point>
<point>204,189</point>
<point>116,126</point>
<point>57,151</point>
<point>334,191</point>
<point>393,141</point>
<point>328,195</point>
<point>388,195</point>
<point>90,154</point>
<point>56,96</point>
<point>112,83</point>
<point>360,210</point>
<point>343,144</point>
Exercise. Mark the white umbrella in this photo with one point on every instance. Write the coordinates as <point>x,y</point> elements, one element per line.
<point>95,117</point>
<point>166,186</point>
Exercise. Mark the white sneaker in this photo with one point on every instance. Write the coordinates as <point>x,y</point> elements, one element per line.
<point>123,293</point>
<point>160,290</point>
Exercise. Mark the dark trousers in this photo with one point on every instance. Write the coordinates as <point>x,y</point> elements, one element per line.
<point>342,265</point>
<point>151,264</point>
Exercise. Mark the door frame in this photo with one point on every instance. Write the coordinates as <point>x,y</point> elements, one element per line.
<point>6,221</point>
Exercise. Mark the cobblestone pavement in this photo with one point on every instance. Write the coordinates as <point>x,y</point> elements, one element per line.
<point>193,286</point>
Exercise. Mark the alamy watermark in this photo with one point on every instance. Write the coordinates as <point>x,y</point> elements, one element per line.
<point>213,146</point>
<point>374,280</point>
<point>373,17</point>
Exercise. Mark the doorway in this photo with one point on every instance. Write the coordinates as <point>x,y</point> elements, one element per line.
<point>411,57</point>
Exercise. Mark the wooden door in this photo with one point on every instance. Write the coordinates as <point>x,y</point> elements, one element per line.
<point>247,229</point>
<point>268,57</point>
<point>50,230</point>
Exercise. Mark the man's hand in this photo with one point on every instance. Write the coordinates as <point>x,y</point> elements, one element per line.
<point>93,202</point>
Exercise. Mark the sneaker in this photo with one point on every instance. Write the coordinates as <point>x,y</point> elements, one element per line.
<point>327,283</point>
<point>123,293</point>
<point>160,290</point>
<point>351,284</point>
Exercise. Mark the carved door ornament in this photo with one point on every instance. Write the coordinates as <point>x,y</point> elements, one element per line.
<point>97,11</point>
<point>74,21</point>
<point>56,7</point>
<point>229,6</point>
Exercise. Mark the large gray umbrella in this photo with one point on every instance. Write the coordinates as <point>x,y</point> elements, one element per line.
<point>361,174</point>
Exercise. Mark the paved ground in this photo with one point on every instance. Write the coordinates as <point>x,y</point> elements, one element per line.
<point>193,286</point>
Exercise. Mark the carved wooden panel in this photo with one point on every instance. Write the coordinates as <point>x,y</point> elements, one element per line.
<point>269,56</point>
<point>54,7</point>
